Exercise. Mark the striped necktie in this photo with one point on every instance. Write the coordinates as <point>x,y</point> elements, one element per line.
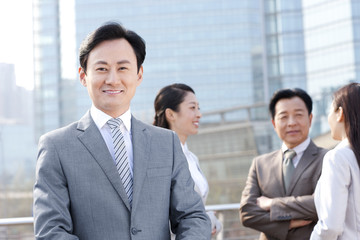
<point>121,160</point>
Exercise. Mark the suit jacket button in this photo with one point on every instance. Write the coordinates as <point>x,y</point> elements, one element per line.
<point>134,231</point>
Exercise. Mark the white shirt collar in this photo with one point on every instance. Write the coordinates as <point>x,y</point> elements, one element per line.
<point>299,149</point>
<point>343,143</point>
<point>100,118</point>
<point>184,147</point>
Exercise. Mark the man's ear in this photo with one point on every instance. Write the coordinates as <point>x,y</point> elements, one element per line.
<point>140,75</point>
<point>82,76</point>
<point>310,118</point>
<point>273,123</point>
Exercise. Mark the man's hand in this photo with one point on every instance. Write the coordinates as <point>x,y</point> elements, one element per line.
<point>264,202</point>
<point>295,223</point>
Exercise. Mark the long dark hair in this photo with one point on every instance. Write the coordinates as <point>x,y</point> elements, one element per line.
<point>171,97</point>
<point>348,97</point>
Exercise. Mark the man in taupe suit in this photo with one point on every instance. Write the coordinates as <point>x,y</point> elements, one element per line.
<point>109,176</point>
<point>277,199</point>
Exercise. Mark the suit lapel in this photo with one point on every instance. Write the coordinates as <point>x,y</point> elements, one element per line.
<point>306,159</point>
<point>92,139</point>
<point>141,152</point>
<point>279,175</point>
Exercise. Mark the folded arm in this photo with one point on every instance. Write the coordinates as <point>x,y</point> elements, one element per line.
<point>253,216</point>
<point>300,207</point>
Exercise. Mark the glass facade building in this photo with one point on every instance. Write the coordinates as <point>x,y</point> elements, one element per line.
<point>284,40</point>
<point>214,46</point>
<point>207,44</point>
<point>46,66</point>
<point>231,52</point>
<point>332,46</point>
<point>329,33</point>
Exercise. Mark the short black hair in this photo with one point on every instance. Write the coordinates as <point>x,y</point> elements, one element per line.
<point>111,31</point>
<point>289,93</point>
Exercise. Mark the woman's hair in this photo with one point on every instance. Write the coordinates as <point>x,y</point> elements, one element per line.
<point>348,97</point>
<point>171,97</point>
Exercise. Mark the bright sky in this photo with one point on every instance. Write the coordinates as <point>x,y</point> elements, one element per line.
<point>16,39</point>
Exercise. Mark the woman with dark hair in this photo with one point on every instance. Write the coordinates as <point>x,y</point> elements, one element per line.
<point>337,194</point>
<point>177,108</point>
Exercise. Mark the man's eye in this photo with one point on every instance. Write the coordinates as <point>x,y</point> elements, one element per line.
<point>101,69</point>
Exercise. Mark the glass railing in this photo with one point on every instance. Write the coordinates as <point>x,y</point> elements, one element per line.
<point>228,214</point>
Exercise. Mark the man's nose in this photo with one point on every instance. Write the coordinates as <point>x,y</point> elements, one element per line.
<point>112,77</point>
<point>292,120</point>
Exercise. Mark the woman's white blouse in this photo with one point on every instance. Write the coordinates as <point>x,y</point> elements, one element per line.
<point>201,184</point>
<point>337,196</point>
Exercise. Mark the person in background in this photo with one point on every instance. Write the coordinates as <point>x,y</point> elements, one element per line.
<point>177,108</point>
<point>278,196</point>
<point>337,194</point>
<point>109,176</point>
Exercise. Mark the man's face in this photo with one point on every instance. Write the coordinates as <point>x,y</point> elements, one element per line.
<point>112,77</point>
<point>292,121</point>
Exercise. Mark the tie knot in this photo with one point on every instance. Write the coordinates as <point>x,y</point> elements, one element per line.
<point>289,154</point>
<point>114,123</point>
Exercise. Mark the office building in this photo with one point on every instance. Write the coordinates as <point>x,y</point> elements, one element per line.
<point>15,102</point>
<point>214,46</point>
<point>231,52</point>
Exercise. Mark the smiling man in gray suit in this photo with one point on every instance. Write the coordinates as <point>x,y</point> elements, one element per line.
<point>278,197</point>
<point>110,176</point>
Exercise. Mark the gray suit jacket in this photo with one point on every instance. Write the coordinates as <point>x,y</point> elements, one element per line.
<point>265,179</point>
<point>78,193</point>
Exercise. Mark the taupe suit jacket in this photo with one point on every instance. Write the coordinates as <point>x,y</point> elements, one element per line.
<point>265,179</point>
<point>78,193</point>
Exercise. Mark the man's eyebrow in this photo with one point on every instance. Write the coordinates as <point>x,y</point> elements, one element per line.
<point>101,62</point>
<point>282,112</point>
<point>119,62</point>
<point>286,112</point>
<point>123,61</point>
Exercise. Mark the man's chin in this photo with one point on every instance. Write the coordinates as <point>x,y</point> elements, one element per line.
<point>293,142</point>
